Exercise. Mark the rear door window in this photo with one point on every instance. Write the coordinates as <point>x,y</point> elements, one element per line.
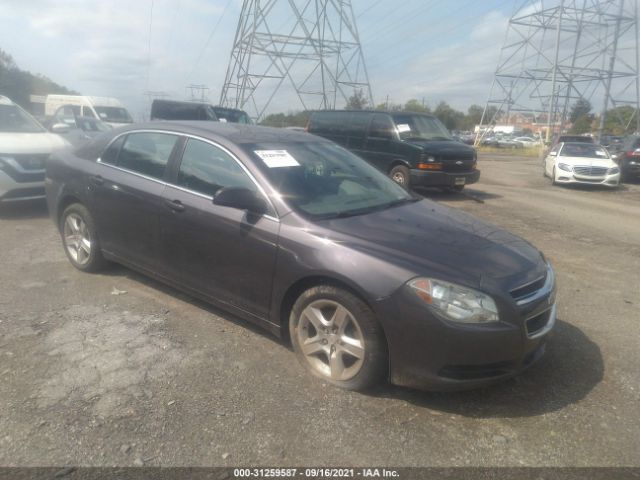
<point>147,153</point>
<point>110,155</point>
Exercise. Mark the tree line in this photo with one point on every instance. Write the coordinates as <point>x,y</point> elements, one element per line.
<point>618,121</point>
<point>19,84</point>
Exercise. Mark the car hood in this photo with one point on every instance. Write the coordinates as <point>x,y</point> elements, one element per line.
<point>431,239</point>
<point>20,143</point>
<point>439,146</point>
<point>587,161</point>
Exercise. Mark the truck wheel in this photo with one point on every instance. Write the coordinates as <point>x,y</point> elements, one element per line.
<point>400,175</point>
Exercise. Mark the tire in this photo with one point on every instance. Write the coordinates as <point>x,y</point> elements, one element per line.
<point>80,239</point>
<point>400,174</point>
<point>321,320</point>
<point>553,176</point>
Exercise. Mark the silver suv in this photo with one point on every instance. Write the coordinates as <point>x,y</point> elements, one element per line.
<point>25,146</point>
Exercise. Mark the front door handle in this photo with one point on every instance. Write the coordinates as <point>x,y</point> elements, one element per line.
<point>97,180</point>
<point>175,205</point>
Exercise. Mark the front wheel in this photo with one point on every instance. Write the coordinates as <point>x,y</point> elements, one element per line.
<point>553,176</point>
<point>400,174</point>
<point>337,338</point>
<point>80,239</point>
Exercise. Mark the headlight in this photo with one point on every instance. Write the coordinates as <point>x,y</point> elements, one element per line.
<point>613,171</point>
<point>4,160</point>
<point>564,166</point>
<point>454,302</point>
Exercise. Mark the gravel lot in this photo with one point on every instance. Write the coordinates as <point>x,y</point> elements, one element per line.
<point>116,369</point>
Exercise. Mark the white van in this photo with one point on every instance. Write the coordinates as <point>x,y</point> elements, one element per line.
<point>107,109</point>
<point>25,146</point>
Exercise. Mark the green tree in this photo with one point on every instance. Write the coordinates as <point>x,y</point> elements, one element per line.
<point>357,101</point>
<point>451,118</point>
<point>620,120</point>
<point>18,84</point>
<point>414,105</point>
<point>582,124</point>
<point>580,109</point>
<point>291,119</point>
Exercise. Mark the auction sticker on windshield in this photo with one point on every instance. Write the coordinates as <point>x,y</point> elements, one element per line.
<point>403,127</point>
<point>277,158</point>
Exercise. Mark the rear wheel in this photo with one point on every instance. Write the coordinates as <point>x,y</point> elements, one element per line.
<point>400,175</point>
<point>337,338</point>
<point>80,239</point>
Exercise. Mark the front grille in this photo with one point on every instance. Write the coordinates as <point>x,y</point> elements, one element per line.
<point>25,168</point>
<point>528,289</point>
<point>589,171</point>
<point>537,323</point>
<point>31,161</point>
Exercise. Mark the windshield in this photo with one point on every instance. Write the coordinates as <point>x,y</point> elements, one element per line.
<point>91,125</point>
<point>113,114</point>
<point>583,150</point>
<point>232,116</point>
<point>15,120</point>
<point>323,180</point>
<point>420,127</point>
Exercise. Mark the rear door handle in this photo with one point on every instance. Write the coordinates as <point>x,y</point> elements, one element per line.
<point>175,205</point>
<point>97,180</point>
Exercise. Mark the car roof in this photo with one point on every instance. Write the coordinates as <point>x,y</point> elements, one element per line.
<point>388,112</point>
<point>234,133</point>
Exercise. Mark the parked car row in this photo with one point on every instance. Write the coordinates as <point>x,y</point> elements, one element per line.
<point>507,141</point>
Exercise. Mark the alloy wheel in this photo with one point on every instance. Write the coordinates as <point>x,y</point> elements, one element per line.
<point>77,239</point>
<point>331,340</point>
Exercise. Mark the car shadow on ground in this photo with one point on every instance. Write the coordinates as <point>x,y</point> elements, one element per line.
<point>570,369</point>
<point>468,194</point>
<point>117,270</point>
<point>26,210</point>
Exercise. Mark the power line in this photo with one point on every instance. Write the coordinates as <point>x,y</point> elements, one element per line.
<point>213,31</point>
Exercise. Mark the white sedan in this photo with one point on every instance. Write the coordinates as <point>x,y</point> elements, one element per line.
<point>585,163</point>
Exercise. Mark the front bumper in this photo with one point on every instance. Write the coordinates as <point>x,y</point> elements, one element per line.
<point>631,167</point>
<point>571,177</point>
<point>428,353</point>
<point>14,191</point>
<point>422,178</point>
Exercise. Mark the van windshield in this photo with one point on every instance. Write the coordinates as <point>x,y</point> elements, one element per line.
<point>15,120</point>
<point>420,127</point>
<point>322,180</point>
<point>113,114</point>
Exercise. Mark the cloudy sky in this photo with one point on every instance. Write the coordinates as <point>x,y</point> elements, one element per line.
<point>431,49</point>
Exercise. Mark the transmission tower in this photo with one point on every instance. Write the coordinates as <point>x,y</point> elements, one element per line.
<point>559,51</point>
<point>315,56</point>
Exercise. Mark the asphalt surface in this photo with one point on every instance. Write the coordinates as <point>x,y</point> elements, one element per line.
<point>116,369</point>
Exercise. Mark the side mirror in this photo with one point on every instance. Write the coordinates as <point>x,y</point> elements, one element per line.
<point>240,198</point>
<point>60,128</point>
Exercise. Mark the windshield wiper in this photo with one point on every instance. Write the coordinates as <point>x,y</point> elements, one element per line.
<point>374,208</point>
